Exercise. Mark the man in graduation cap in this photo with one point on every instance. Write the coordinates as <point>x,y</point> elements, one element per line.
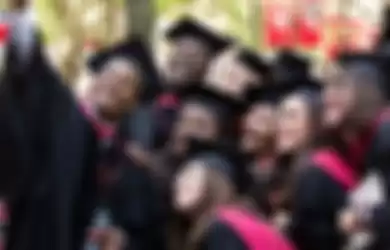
<point>193,46</point>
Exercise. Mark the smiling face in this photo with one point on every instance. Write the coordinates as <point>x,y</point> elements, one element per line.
<point>294,124</point>
<point>116,87</point>
<point>258,128</point>
<point>190,187</point>
<point>188,61</point>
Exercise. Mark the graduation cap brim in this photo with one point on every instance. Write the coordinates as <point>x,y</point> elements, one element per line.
<point>254,61</point>
<point>135,51</point>
<point>203,95</point>
<point>189,27</point>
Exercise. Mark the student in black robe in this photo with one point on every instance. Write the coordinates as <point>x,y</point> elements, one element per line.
<point>193,47</point>
<point>323,185</point>
<point>129,198</point>
<point>205,194</point>
<point>258,140</point>
<point>368,129</point>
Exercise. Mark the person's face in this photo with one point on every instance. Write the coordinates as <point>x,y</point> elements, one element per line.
<point>294,126</point>
<point>228,75</point>
<point>188,61</point>
<point>116,88</point>
<point>258,128</point>
<point>339,98</point>
<point>195,121</point>
<point>190,187</point>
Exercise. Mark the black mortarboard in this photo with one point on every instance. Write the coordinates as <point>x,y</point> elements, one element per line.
<point>266,94</point>
<point>223,158</point>
<point>136,51</point>
<point>221,105</point>
<point>255,62</point>
<point>189,27</point>
<point>290,67</point>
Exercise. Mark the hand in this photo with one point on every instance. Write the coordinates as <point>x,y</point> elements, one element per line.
<point>348,222</point>
<point>138,154</point>
<point>113,239</point>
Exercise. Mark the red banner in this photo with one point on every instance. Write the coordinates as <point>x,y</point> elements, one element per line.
<point>279,24</point>
<point>310,24</point>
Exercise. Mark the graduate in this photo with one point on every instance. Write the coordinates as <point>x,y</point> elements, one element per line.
<point>193,47</point>
<point>322,188</point>
<point>258,141</point>
<point>205,194</point>
<point>362,106</point>
<point>237,70</point>
<point>129,199</point>
<point>205,116</point>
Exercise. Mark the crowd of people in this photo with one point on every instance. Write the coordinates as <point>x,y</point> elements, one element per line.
<point>218,150</point>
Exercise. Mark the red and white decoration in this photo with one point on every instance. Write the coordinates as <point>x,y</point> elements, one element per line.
<point>4,35</point>
<point>279,24</point>
<point>310,24</point>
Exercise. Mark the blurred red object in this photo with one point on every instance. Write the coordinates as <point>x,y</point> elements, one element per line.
<point>279,25</point>
<point>310,24</point>
<point>4,33</point>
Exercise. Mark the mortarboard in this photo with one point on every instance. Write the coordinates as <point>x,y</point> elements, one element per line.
<point>266,94</point>
<point>136,51</point>
<point>222,106</point>
<point>254,61</point>
<point>223,158</point>
<point>290,67</point>
<point>189,27</point>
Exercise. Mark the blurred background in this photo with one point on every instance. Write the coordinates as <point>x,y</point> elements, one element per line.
<point>76,28</point>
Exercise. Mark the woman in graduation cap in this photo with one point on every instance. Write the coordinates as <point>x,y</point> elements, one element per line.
<point>322,189</point>
<point>205,194</point>
<point>193,47</point>
<point>357,115</point>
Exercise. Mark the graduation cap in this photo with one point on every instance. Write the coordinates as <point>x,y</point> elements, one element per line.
<point>222,158</point>
<point>269,94</point>
<point>189,27</point>
<point>290,67</point>
<point>254,61</point>
<point>222,106</point>
<point>135,51</point>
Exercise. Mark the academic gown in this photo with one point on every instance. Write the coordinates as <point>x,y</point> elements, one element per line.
<point>55,201</point>
<point>221,236</point>
<point>317,198</point>
<point>377,156</point>
<point>136,205</point>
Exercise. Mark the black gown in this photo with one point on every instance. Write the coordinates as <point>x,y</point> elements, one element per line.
<point>55,200</point>
<point>378,157</point>
<point>317,199</point>
<point>220,236</point>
